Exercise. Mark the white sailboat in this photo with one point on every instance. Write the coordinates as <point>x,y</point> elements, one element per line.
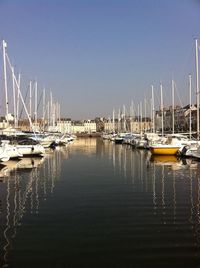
<point>9,151</point>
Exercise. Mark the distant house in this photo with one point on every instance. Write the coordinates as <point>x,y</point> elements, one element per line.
<point>85,126</point>
<point>64,125</point>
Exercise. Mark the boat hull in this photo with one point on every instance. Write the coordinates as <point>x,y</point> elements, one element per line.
<point>156,150</point>
<point>118,141</point>
<point>27,150</point>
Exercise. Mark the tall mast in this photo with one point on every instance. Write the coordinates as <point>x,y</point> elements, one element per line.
<point>172,106</point>
<point>197,83</point>
<point>53,113</point>
<point>141,118</point>
<point>19,92</point>
<point>138,112</point>
<point>113,120</point>
<point>161,107</point>
<point>43,114</point>
<point>153,109</point>
<point>14,96</point>
<point>35,102</point>
<point>17,83</point>
<point>5,77</point>
<point>124,115</point>
<point>51,109</point>
<point>48,114</point>
<point>145,114</point>
<point>119,120</point>
<point>30,99</point>
<point>18,96</point>
<point>190,96</point>
<point>58,112</point>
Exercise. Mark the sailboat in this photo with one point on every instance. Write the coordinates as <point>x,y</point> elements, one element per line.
<point>167,146</point>
<point>164,149</point>
<point>8,151</point>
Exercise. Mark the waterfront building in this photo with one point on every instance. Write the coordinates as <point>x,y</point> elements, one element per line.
<point>140,127</point>
<point>99,124</point>
<point>181,119</point>
<point>85,126</point>
<point>90,126</point>
<point>134,126</point>
<point>109,126</point>
<point>193,119</point>
<point>78,128</point>
<point>64,125</point>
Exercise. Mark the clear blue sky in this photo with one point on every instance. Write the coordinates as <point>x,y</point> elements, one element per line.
<point>96,55</point>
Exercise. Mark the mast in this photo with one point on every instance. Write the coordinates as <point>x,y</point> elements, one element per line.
<point>5,77</point>
<point>51,109</point>
<point>190,96</point>
<point>48,114</point>
<point>113,120</point>
<point>161,107</point>
<point>17,83</point>
<point>145,114</point>
<point>18,96</point>
<point>138,119</point>
<point>141,128</point>
<point>19,92</point>
<point>58,119</point>
<point>197,83</point>
<point>124,115</point>
<point>53,114</point>
<point>43,115</point>
<point>153,108</point>
<point>35,102</point>
<point>30,101</point>
<point>172,106</point>
<point>119,121</point>
<point>14,95</point>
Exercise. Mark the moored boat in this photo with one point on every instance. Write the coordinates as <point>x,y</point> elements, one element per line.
<point>164,149</point>
<point>118,140</point>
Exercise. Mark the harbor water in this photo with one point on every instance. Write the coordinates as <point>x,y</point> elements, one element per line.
<point>97,204</point>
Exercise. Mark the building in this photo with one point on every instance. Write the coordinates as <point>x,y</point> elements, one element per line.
<point>181,120</point>
<point>90,126</point>
<point>128,125</point>
<point>140,127</point>
<point>85,126</point>
<point>64,125</point>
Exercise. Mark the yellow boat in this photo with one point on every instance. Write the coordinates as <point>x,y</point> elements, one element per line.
<point>164,149</point>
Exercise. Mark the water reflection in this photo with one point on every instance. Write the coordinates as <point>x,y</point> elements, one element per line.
<point>174,184</point>
<point>24,184</point>
<point>86,146</point>
<point>151,204</point>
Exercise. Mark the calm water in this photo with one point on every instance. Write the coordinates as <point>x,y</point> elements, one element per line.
<point>96,204</point>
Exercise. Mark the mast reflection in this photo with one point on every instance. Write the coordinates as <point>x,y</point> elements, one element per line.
<point>24,184</point>
<point>174,185</point>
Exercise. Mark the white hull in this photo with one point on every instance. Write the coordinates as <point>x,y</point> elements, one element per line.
<point>9,151</point>
<point>30,149</point>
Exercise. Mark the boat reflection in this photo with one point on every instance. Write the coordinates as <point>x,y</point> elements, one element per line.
<point>173,162</point>
<point>164,159</point>
<point>171,181</point>
<point>24,185</point>
<point>25,163</point>
<point>29,163</point>
<point>87,146</point>
<point>164,191</point>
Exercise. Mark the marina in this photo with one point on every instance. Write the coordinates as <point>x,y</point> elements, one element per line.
<point>95,203</point>
<point>99,134</point>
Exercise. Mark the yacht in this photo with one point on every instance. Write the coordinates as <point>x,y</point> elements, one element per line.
<point>9,151</point>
